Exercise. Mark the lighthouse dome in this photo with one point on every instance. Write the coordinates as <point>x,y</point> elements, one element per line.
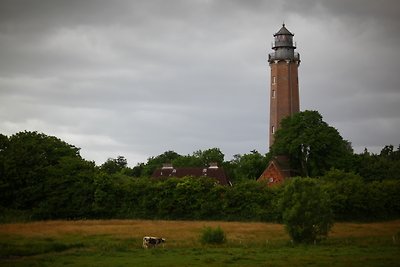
<point>283,31</point>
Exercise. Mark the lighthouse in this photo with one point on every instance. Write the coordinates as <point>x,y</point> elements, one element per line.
<point>284,98</point>
<point>284,88</point>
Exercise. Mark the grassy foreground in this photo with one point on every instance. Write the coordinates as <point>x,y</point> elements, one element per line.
<point>118,243</point>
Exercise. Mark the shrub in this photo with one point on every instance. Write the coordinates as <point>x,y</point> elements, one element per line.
<point>306,210</point>
<point>213,236</point>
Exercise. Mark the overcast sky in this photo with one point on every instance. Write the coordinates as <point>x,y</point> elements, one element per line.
<point>138,78</point>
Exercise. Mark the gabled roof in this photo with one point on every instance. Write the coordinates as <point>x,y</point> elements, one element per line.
<point>214,172</point>
<point>277,171</point>
<point>283,31</point>
<point>284,165</point>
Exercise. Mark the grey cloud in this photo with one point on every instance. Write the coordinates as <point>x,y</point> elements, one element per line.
<point>136,78</point>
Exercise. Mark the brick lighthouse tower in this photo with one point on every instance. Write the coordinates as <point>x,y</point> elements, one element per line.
<point>284,98</point>
<point>284,94</point>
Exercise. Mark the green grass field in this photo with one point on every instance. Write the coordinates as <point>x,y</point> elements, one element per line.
<point>118,243</point>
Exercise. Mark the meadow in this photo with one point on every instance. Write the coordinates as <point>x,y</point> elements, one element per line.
<point>119,243</point>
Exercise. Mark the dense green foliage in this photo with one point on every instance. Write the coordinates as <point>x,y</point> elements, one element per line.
<point>42,177</point>
<point>114,165</point>
<point>46,176</point>
<point>312,145</point>
<point>190,198</point>
<point>213,236</point>
<point>373,167</point>
<point>248,166</point>
<point>354,199</point>
<point>306,210</point>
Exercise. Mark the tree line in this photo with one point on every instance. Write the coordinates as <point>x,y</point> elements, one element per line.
<point>43,177</point>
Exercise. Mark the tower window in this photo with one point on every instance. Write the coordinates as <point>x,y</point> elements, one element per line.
<point>273,129</point>
<point>273,80</point>
<point>273,94</point>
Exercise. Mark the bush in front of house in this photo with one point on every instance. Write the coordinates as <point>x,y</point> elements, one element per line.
<point>306,210</point>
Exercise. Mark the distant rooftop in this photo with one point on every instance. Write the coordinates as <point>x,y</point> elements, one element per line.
<point>213,171</point>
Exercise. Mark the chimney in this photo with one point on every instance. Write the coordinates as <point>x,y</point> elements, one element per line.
<point>167,166</point>
<point>213,165</point>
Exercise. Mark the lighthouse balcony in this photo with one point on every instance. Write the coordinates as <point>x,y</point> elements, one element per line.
<point>283,56</point>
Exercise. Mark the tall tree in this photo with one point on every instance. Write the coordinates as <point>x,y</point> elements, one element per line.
<point>45,175</point>
<point>312,145</point>
<point>209,156</point>
<point>249,166</point>
<point>112,166</point>
<point>372,167</point>
<point>26,160</point>
<point>187,161</point>
<point>5,193</point>
<point>156,162</point>
<point>68,190</point>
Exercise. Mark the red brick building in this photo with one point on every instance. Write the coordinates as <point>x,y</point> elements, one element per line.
<point>277,171</point>
<point>212,171</point>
